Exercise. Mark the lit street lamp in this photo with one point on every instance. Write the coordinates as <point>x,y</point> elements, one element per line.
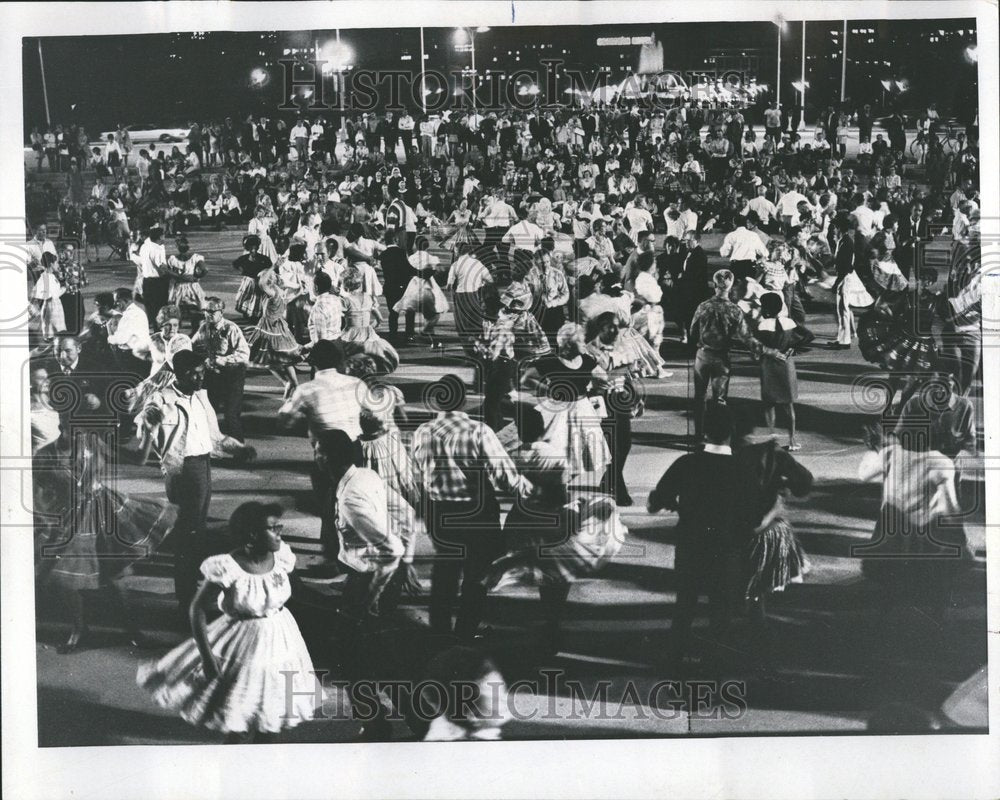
<point>780,22</point>
<point>338,57</point>
<point>459,36</point>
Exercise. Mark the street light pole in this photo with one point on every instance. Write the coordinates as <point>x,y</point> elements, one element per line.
<point>341,84</point>
<point>778,84</point>
<point>423,77</point>
<point>472,38</point>
<point>802,116</point>
<point>45,91</point>
<point>843,64</point>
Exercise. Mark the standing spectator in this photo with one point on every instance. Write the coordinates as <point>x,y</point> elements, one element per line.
<point>406,125</point>
<point>225,347</point>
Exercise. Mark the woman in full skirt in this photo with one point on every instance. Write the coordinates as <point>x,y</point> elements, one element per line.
<point>87,534</point>
<point>773,557</point>
<point>272,345</point>
<point>187,269</point>
<point>361,316</point>
<point>247,674</point>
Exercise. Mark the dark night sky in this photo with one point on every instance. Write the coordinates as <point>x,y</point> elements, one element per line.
<point>171,79</point>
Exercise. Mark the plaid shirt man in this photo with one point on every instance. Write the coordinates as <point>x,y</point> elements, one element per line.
<point>448,450</point>
<point>773,276</point>
<point>329,401</point>
<point>225,342</point>
<point>326,318</point>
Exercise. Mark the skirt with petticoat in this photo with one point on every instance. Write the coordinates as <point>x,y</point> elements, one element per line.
<point>272,344</point>
<point>266,681</point>
<point>365,339</point>
<point>574,428</point>
<point>634,348</point>
<point>187,296</point>
<point>587,534</point>
<point>153,383</point>
<point>776,559</point>
<point>86,533</point>
<point>249,298</point>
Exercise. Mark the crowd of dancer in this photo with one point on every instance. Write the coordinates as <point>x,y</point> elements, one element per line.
<point>563,296</point>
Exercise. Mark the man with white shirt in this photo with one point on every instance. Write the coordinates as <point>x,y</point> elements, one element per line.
<point>525,235</point>
<point>371,542</point>
<point>299,137</point>
<point>687,215</point>
<point>154,278</point>
<point>36,247</point>
<point>181,424</point>
<point>131,336</point>
<point>428,136</point>
<point>788,207</point>
<point>466,278</point>
<point>865,215</point>
<point>329,401</point>
<point>766,211</point>
<point>743,247</point>
<point>316,131</point>
<point>676,228</point>
<point>638,218</point>
<point>499,217</point>
<point>406,124</point>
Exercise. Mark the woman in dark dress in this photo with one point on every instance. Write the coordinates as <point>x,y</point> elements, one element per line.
<point>772,555</point>
<point>249,297</point>
<point>778,382</point>
<point>87,534</point>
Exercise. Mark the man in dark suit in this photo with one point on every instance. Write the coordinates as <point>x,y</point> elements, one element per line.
<point>844,256</point>
<point>695,284</point>
<point>397,272</point>
<point>589,123</point>
<point>85,382</point>
<point>913,234</point>
<point>706,489</point>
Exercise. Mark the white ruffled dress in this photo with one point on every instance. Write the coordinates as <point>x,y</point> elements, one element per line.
<point>266,682</point>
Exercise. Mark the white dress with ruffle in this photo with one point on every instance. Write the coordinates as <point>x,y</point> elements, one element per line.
<point>266,681</point>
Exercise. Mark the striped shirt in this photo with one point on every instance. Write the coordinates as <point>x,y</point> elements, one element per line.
<point>451,450</point>
<point>326,317</point>
<point>329,401</point>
